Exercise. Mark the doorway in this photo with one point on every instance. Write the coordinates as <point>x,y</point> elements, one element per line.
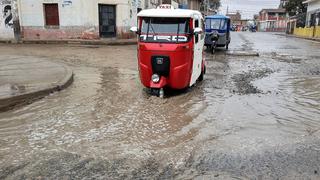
<point>107,20</point>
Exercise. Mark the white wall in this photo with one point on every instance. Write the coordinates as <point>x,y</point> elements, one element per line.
<point>6,23</point>
<point>79,12</point>
<point>314,5</point>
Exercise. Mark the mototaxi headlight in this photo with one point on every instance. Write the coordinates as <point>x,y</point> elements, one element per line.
<point>155,78</point>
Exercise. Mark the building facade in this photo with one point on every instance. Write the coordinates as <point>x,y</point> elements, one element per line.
<point>313,13</point>
<point>235,17</point>
<point>237,22</point>
<point>75,19</point>
<point>273,20</point>
<point>79,19</point>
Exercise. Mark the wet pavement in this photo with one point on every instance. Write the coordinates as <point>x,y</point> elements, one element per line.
<point>253,117</point>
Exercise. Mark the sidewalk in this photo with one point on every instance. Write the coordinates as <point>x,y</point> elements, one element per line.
<point>109,42</point>
<point>25,78</point>
<point>300,37</point>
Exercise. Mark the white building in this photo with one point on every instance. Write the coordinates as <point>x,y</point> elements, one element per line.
<point>74,19</point>
<point>313,13</point>
<point>79,19</point>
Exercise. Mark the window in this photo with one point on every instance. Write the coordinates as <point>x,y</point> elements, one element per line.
<point>165,25</point>
<point>203,29</point>
<point>282,14</point>
<point>196,24</point>
<point>216,24</point>
<point>51,13</point>
<point>160,29</point>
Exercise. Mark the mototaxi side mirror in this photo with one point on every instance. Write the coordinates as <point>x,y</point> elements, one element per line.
<point>197,31</point>
<point>134,29</point>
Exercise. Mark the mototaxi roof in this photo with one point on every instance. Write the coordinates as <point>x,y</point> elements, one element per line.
<point>170,13</point>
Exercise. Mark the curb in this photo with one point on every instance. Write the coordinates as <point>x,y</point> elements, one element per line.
<point>6,41</point>
<point>83,42</point>
<point>27,98</point>
<point>299,37</point>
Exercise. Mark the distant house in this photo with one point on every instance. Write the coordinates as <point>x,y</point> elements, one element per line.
<point>234,17</point>
<point>236,20</point>
<point>273,20</point>
<point>307,24</point>
<point>313,13</point>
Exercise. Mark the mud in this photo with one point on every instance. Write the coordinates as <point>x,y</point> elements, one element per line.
<point>243,82</point>
<point>251,118</point>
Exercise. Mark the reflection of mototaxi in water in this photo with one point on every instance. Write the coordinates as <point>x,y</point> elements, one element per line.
<point>170,48</point>
<point>217,32</point>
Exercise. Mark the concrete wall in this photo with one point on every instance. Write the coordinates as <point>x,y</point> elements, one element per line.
<point>79,19</point>
<point>304,32</point>
<point>311,32</point>
<point>317,32</point>
<point>6,19</point>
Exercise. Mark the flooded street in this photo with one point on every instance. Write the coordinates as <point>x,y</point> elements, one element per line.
<point>253,117</point>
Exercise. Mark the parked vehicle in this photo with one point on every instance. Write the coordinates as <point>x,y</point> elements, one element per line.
<point>253,28</point>
<point>244,28</point>
<point>233,28</point>
<point>217,25</point>
<point>170,48</point>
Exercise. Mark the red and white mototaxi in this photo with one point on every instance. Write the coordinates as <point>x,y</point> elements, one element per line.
<point>170,48</point>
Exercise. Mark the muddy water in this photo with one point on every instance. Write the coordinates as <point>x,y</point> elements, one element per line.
<point>104,112</point>
<point>248,110</point>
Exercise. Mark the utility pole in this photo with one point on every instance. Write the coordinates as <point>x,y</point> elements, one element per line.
<point>227,10</point>
<point>16,23</point>
<point>207,7</point>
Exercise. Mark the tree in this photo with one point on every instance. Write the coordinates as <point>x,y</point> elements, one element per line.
<point>210,5</point>
<point>214,4</point>
<point>295,7</point>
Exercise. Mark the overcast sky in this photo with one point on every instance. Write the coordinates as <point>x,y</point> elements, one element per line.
<point>247,8</point>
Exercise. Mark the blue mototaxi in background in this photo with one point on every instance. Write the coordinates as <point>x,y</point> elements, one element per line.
<point>217,31</point>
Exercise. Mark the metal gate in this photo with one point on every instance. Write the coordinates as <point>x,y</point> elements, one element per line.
<point>107,20</point>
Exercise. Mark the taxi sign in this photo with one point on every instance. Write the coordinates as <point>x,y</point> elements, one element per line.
<point>165,6</point>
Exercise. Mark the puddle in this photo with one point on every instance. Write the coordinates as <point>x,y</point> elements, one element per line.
<point>107,123</point>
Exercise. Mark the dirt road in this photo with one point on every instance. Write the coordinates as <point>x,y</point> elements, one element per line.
<point>251,118</point>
